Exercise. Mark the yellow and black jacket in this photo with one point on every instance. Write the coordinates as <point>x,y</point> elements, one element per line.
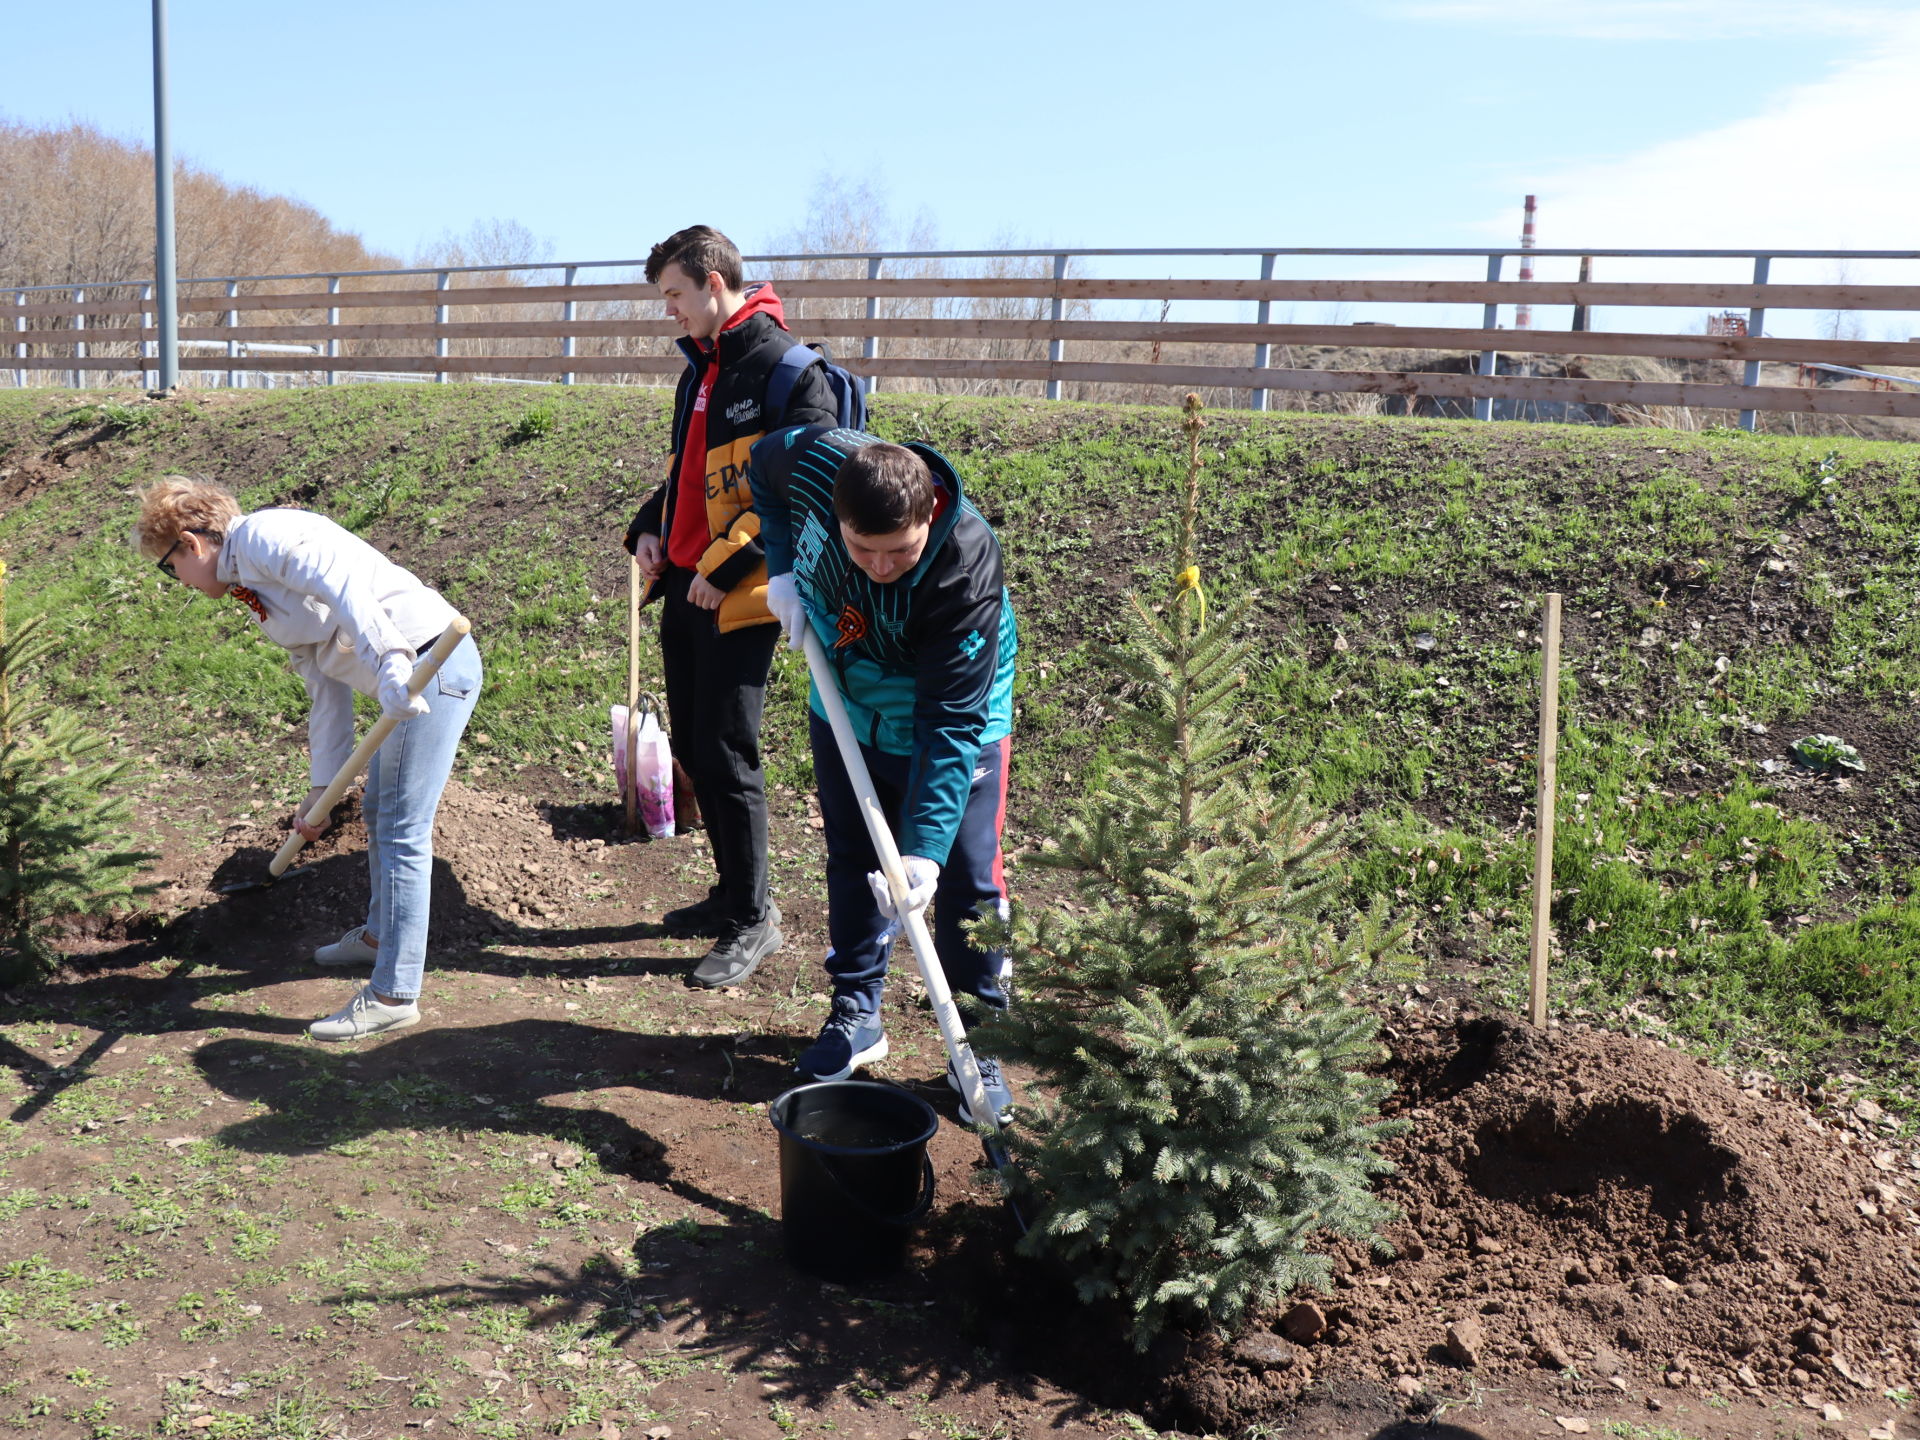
<point>745,354</point>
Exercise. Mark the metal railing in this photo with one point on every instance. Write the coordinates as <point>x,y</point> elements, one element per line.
<point>1059,302</point>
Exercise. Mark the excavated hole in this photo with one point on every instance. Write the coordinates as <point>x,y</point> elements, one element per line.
<point>1565,1156</point>
<point>1429,1076</point>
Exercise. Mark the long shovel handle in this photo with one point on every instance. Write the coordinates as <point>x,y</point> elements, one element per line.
<point>959,1051</point>
<point>634,586</point>
<point>356,762</point>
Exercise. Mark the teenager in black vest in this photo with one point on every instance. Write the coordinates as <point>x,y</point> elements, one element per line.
<point>698,542</point>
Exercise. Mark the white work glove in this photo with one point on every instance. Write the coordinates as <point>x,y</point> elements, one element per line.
<point>396,672</point>
<point>783,599</point>
<point>922,876</point>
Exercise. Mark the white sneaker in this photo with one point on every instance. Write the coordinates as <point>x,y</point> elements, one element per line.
<point>363,1015</point>
<point>350,949</point>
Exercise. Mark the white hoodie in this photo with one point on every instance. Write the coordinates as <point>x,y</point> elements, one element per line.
<point>337,605</point>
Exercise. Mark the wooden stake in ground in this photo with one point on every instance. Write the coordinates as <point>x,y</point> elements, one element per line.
<point>1543,810</point>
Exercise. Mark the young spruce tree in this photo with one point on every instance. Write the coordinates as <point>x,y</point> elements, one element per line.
<point>1206,1110</point>
<point>62,851</point>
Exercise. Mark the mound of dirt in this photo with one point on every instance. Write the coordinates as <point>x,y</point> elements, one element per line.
<point>502,863</point>
<point>1600,1206</point>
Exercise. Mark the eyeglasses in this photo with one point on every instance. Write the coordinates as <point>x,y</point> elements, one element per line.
<point>166,561</point>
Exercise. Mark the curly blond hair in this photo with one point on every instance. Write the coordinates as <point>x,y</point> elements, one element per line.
<point>175,504</point>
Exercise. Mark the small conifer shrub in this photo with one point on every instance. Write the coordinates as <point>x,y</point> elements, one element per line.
<point>62,847</point>
<point>1203,1110</point>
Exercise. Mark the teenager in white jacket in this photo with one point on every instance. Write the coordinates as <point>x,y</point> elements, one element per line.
<point>350,620</point>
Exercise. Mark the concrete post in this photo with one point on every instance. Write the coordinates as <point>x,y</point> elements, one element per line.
<point>1756,324</point>
<point>1489,359</point>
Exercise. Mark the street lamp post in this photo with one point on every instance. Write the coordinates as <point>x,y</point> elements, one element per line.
<point>166,289</point>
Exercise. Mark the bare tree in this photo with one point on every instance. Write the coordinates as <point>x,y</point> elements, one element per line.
<point>76,208</point>
<point>1841,324</point>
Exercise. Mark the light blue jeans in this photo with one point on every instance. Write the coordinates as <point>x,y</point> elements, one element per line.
<point>403,791</point>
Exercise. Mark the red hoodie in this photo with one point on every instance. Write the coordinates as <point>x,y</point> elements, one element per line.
<point>691,537</point>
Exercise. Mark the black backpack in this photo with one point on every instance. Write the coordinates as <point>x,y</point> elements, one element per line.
<point>849,390</point>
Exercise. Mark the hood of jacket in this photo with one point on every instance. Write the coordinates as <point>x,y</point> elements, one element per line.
<point>946,509</point>
<point>737,333</point>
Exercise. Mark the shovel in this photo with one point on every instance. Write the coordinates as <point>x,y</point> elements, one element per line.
<point>939,995</point>
<point>356,762</point>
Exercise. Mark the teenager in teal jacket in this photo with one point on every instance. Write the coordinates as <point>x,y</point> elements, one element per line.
<point>876,547</point>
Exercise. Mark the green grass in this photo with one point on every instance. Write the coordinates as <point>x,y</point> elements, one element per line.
<point>1394,569</point>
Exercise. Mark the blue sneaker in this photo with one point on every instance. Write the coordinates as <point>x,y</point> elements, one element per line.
<point>999,1093</point>
<point>850,1038</point>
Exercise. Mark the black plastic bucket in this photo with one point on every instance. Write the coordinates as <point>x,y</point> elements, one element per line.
<point>854,1175</point>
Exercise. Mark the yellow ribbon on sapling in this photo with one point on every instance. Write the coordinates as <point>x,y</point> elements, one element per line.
<point>1189,579</point>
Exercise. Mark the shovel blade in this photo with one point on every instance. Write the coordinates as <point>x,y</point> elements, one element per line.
<point>265,882</point>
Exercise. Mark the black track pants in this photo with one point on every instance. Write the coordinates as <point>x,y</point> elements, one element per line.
<point>716,690</point>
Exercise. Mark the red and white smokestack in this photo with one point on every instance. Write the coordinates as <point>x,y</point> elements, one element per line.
<point>1523,313</point>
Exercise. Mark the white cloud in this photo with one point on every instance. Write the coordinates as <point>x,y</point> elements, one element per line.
<point>1663,19</point>
<point>1824,165</point>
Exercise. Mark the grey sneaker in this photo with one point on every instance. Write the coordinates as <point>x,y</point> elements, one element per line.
<point>999,1092</point>
<point>363,1015</point>
<point>350,949</point>
<point>738,953</point>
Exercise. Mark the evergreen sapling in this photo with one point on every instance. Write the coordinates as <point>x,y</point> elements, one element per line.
<point>62,851</point>
<point>1190,1017</point>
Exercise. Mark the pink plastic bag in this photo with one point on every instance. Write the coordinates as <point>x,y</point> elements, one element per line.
<point>652,778</point>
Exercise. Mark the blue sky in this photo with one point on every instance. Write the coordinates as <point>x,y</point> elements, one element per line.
<point>601,125</point>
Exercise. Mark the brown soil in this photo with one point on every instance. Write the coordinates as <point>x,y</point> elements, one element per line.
<point>1613,1216</point>
<point>1629,1230</point>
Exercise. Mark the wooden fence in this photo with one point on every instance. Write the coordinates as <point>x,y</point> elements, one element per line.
<point>983,328</point>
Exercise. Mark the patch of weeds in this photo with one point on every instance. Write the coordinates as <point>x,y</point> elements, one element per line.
<point>1627,1430</point>
<point>94,1417</point>
<point>433,1311</point>
<point>501,1323</point>
<point>486,1417</point>
<point>355,1312</point>
<point>379,1253</point>
<point>34,1289</point>
<point>249,1236</point>
<point>1828,752</point>
<point>129,1262</point>
<point>151,1209</point>
<point>522,1198</point>
<point>954,1428</point>
<point>536,424</point>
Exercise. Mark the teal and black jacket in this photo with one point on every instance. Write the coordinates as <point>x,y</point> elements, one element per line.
<point>925,662</point>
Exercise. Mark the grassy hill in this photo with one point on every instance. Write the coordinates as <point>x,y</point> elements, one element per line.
<point>1726,595</point>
